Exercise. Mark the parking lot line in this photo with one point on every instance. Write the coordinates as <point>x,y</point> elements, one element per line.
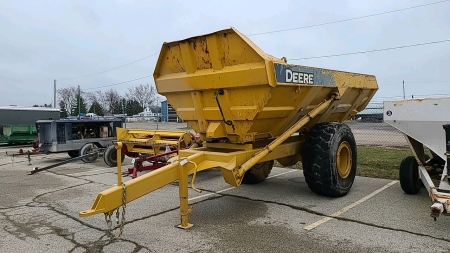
<point>345,209</point>
<point>231,188</point>
<point>87,172</point>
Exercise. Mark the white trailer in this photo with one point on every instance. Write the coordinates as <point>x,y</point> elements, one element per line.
<point>425,123</point>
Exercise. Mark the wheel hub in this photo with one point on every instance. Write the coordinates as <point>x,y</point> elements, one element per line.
<point>344,159</point>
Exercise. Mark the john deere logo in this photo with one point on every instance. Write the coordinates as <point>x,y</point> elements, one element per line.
<point>299,77</point>
<point>293,74</point>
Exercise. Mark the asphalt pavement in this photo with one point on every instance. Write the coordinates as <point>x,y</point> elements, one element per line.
<point>39,213</point>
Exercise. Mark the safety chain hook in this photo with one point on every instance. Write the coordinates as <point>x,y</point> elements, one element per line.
<point>120,221</point>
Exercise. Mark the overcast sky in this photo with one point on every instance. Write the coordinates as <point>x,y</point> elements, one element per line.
<point>45,40</point>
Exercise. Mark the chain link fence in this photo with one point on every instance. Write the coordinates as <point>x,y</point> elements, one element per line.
<point>370,130</point>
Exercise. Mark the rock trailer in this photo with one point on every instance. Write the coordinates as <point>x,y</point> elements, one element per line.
<point>149,149</point>
<point>425,123</point>
<point>250,109</point>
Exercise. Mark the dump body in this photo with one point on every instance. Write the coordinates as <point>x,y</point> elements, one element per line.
<point>421,119</point>
<point>225,87</point>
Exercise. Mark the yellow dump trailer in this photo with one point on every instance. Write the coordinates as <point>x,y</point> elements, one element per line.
<point>250,109</point>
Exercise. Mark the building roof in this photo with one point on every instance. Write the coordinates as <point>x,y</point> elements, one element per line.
<point>22,108</point>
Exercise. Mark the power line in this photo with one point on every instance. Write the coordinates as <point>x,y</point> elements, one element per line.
<point>109,69</point>
<point>408,82</point>
<point>370,51</point>
<point>118,83</point>
<point>277,31</point>
<point>315,57</point>
<point>401,97</point>
<point>349,19</point>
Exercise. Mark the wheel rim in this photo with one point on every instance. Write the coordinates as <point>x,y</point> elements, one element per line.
<point>91,157</point>
<point>114,155</point>
<point>344,159</point>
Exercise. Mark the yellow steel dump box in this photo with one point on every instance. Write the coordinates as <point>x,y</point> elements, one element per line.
<point>224,86</point>
<point>250,109</point>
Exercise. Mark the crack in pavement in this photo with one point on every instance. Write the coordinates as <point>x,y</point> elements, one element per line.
<point>26,228</point>
<point>9,208</point>
<point>326,215</point>
<point>165,211</point>
<point>52,208</point>
<point>75,177</point>
<point>35,228</point>
<point>97,244</point>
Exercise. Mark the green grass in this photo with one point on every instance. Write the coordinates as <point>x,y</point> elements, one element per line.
<point>374,161</point>
<point>380,162</point>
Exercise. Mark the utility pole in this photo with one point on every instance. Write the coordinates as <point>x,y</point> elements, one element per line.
<point>54,93</point>
<point>124,114</point>
<point>157,114</point>
<point>404,97</point>
<point>79,95</point>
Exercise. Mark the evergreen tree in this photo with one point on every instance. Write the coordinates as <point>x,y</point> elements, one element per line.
<point>63,111</point>
<point>117,107</point>
<point>96,108</point>
<point>133,107</point>
<point>45,105</point>
<point>79,101</point>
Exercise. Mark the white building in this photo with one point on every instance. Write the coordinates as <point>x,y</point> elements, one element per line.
<point>147,114</point>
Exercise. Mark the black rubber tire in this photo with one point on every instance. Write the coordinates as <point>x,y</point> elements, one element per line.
<point>319,159</point>
<point>110,156</point>
<point>409,175</point>
<point>258,173</point>
<point>74,153</point>
<point>86,149</point>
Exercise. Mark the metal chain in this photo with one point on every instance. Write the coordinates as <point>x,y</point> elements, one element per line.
<point>124,206</point>
<point>108,221</point>
<point>120,222</point>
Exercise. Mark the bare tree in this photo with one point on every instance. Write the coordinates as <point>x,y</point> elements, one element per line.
<point>110,99</point>
<point>89,98</point>
<point>145,94</point>
<point>68,95</point>
<point>99,97</point>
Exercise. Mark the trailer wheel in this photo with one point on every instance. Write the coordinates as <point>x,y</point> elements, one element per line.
<point>329,159</point>
<point>110,156</point>
<point>409,175</point>
<point>74,153</point>
<point>258,173</point>
<point>86,149</point>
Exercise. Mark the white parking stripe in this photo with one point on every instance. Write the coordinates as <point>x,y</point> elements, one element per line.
<point>282,173</point>
<point>90,171</point>
<point>231,188</point>
<point>345,209</point>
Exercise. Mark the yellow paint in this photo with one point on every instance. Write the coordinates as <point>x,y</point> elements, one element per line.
<point>154,140</point>
<point>252,100</point>
<point>344,159</point>
<point>264,113</point>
